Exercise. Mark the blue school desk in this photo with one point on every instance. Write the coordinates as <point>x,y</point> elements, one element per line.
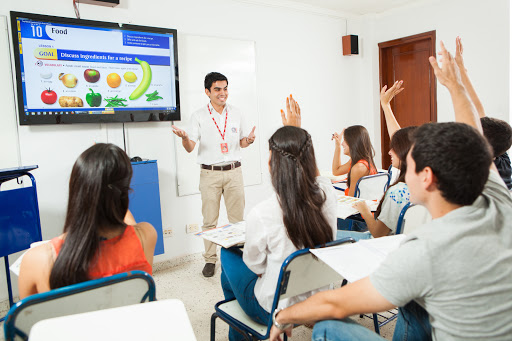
<point>145,198</point>
<point>19,217</point>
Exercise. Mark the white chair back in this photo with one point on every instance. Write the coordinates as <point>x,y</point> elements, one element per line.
<point>372,187</point>
<point>413,217</point>
<point>109,292</point>
<point>305,274</point>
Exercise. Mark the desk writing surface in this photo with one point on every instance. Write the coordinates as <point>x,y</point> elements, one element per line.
<point>158,320</point>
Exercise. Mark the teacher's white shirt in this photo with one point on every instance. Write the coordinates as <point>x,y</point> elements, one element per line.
<point>203,130</point>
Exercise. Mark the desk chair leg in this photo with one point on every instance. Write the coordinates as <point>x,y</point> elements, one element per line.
<point>212,326</point>
<point>8,278</point>
<point>376,323</point>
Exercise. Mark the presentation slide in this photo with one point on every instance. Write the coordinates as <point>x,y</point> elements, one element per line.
<point>94,70</point>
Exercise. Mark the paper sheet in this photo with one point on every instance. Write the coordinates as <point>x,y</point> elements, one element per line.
<point>358,260</point>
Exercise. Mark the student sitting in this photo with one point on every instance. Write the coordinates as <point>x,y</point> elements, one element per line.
<point>497,132</point>
<point>452,278</point>
<point>96,241</point>
<point>301,213</point>
<point>397,196</point>
<point>356,143</point>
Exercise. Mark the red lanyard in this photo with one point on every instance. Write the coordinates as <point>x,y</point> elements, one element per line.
<point>225,122</point>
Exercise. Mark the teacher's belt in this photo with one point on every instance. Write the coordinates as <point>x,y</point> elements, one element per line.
<point>231,166</point>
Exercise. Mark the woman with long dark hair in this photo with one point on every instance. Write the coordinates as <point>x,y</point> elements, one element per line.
<point>385,220</point>
<point>96,241</point>
<point>355,142</point>
<point>300,214</point>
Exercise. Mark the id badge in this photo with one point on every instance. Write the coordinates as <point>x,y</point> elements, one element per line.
<point>224,148</point>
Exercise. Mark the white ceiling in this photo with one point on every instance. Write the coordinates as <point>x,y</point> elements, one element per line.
<point>340,7</point>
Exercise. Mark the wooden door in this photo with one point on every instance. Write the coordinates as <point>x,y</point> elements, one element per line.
<point>407,59</point>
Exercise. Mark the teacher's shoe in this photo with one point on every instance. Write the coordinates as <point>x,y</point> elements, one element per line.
<point>208,270</point>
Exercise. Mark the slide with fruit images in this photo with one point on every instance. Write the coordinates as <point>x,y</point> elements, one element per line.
<point>95,70</point>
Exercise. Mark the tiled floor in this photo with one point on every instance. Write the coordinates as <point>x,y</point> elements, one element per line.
<point>183,280</point>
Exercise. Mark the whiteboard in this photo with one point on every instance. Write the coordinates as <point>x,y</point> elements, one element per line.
<point>199,55</point>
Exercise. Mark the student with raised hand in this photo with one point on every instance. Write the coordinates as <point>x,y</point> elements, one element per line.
<point>355,142</point>
<point>452,278</point>
<point>397,195</point>
<point>300,213</point>
<point>497,132</point>
<point>100,235</point>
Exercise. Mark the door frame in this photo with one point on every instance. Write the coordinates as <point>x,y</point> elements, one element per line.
<point>430,35</point>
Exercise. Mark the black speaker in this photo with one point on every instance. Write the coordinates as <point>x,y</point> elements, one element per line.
<point>350,45</point>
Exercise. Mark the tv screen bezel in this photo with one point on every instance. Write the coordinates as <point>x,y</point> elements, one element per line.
<point>141,115</point>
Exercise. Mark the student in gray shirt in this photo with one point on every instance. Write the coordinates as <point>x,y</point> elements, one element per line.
<point>457,268</point>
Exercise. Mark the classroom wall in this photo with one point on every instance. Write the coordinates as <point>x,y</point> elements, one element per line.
<point>484,28</point>
<point>296,52</point>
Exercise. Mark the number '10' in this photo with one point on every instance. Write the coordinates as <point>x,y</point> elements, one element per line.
<point>37,31</point>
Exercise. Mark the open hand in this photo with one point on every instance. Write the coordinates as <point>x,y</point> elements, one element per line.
<point>361,206</point>
<point>338,138</point>
<point>449,73</point>
<point>292,116</point>
<point>179,132</point>
<point>251,137</point>
<point>458,53</point>
<point>387,95</point>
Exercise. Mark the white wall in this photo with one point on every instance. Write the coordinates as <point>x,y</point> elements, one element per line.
<point>296,53</point>
<point>484,28</point>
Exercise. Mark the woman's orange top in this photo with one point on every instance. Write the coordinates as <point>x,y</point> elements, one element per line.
<point>116,255</point>
<point>372,171</point>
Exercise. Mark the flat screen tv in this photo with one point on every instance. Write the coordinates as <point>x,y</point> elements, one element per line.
<point>83,71</point>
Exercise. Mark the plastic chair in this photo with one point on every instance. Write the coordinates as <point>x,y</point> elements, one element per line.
<point>300,273</point>
<point>393,175</point>
<point>109,292</point>
<point>411,217</point>
<point>372,187</point>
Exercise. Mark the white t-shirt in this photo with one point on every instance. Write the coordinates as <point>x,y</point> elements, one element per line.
<point>202,129</point>
<point>458,268</point>
<point>395,199</point>
<point>267,244</point>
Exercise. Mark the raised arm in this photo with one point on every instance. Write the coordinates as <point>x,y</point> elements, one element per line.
<point>449,76</point>
<point>385,101</point>
<point>292,116</point>
<point>465,78</point>
<point>337,167</point>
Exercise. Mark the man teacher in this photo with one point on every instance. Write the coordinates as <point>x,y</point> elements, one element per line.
<point>222,132</point>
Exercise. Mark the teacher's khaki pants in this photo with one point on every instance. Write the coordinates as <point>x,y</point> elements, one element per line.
<point>213,184</point>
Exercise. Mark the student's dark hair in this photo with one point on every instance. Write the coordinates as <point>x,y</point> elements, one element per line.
<point>98,198</point>
<point>498,133</point>
<point>459,157</point>
<point>213,77</point>
<point>360,146</point>
<point>293,171</point>
<point>401,143</point>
